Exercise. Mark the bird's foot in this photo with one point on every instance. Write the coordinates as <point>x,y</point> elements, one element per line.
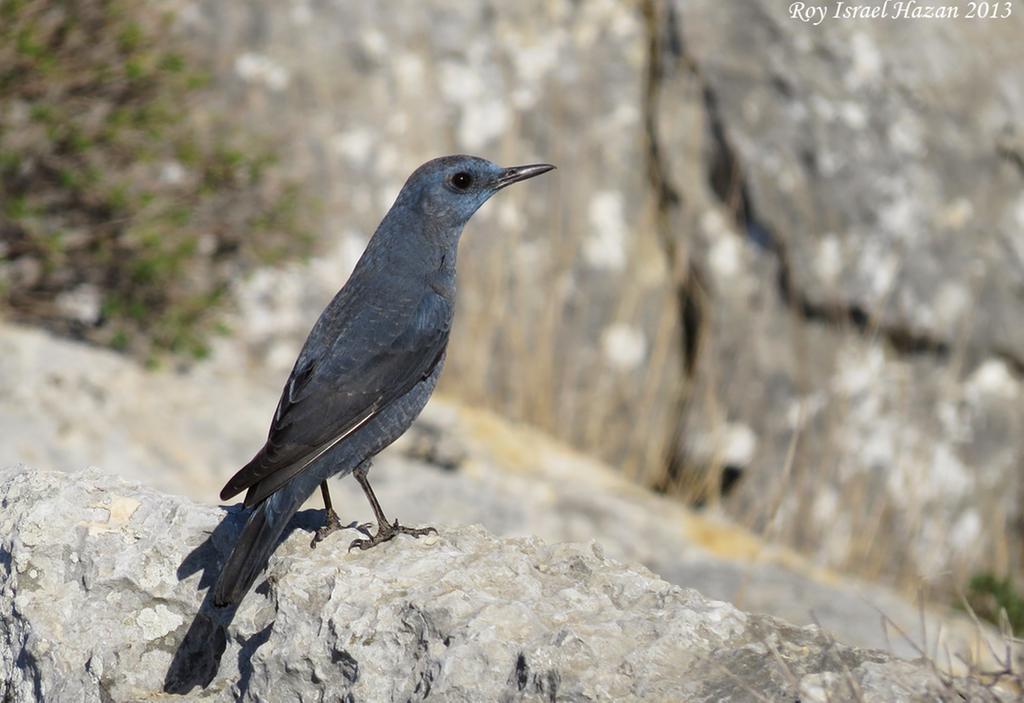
<point>388,531</point>
<point>333,524</point>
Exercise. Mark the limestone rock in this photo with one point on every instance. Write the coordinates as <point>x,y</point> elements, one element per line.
<point>861,288</point>
<point>102,599</point>
<point>65,405</point>
<point>846,196</point>
<point>360,94</point>
<point>862,144</point>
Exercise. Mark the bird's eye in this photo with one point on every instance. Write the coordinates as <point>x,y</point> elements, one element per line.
<point>462,180</point>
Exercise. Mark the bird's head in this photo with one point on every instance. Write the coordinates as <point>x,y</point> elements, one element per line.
<point>450,189</point>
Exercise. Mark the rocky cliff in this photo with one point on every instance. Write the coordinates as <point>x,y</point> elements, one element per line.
<point>102,598</point>
<point>787,259</point>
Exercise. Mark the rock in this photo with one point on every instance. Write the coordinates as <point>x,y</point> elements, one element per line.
<point>102,589</point>
<point>845,198</point>
<point>765,236</point>
<point>359,97</point>
<point>859,290</point>
<point>860,143</point>
<point>64,405</point>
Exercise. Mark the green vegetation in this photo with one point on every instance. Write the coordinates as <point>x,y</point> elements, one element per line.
<point>110,185</point>
<point>988,595</point>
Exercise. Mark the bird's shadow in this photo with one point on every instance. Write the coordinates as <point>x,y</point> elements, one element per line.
<point>198,656</point>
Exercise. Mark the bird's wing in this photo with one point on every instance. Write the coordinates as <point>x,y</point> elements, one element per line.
<point>378,354</point>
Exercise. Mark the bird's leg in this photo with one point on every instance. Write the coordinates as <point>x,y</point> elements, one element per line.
<point>333,524</point>
<point>385,530</point>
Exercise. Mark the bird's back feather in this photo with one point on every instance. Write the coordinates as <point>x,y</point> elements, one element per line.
<point>356,374</point>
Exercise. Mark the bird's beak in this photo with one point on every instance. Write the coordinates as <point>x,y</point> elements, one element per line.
<point>514,174</point>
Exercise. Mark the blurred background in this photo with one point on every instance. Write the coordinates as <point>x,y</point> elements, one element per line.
<point>778,277</point>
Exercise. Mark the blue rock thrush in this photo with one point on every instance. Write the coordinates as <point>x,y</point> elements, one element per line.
<point>368,366</point>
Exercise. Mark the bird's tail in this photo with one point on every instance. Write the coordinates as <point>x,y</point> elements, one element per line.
<point>257,542</point>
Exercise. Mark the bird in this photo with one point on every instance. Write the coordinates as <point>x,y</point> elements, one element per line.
<point>367,368</point>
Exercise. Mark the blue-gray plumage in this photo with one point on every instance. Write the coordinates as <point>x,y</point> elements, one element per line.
<point>369,364</point>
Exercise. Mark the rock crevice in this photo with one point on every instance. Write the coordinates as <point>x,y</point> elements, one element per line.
<point>728,180</point>
<point>857,290</point>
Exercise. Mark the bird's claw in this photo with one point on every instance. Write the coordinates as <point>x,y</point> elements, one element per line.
<point>333,524</point>
<point>361,527</point>
<point>386,532</point>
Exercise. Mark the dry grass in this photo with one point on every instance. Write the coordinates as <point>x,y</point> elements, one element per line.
<point>988,676</point>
